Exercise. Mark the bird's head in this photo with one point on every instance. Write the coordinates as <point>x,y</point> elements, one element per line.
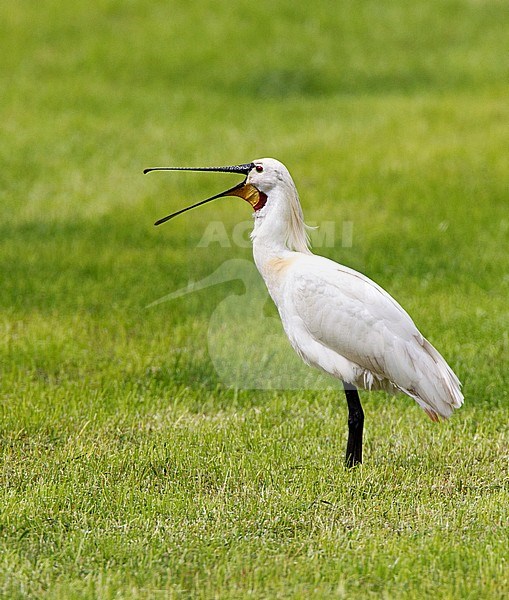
<point>269,189</point>
<point>268,174</point>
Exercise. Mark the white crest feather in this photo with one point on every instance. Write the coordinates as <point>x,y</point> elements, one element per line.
<point>297,234</point>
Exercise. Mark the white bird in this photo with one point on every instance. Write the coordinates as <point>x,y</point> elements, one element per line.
<point>336,319</point>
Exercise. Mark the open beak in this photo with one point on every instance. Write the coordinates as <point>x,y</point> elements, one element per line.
<point>243,190</point>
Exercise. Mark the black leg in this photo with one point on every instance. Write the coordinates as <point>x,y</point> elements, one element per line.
<point>355,426</point>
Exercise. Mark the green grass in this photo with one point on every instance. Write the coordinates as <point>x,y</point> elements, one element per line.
<point>129,468</point>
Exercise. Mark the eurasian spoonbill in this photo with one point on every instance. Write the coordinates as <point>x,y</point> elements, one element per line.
<point>336,319</point>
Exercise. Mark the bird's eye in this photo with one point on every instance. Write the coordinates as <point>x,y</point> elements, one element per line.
<point>259,168</point>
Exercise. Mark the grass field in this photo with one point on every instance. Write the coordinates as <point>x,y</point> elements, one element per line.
<point>129,468</point>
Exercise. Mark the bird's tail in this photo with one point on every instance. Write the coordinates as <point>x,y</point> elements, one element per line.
<point>439,389</point>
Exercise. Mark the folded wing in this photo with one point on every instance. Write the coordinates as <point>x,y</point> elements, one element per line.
<point>353,317</point>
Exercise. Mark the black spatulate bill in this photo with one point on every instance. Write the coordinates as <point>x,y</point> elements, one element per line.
<point>242,189</point>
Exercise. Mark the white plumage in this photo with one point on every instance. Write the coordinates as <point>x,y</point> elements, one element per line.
<point>343,323</point>
<point>336,319</point>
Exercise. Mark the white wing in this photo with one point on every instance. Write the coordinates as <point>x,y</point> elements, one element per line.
<point>341,321</point>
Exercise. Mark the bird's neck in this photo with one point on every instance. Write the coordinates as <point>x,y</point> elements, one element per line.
<point>272,258</point>
<point>267,250</point>
<point>280,230</point>
<point>279,239</point>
